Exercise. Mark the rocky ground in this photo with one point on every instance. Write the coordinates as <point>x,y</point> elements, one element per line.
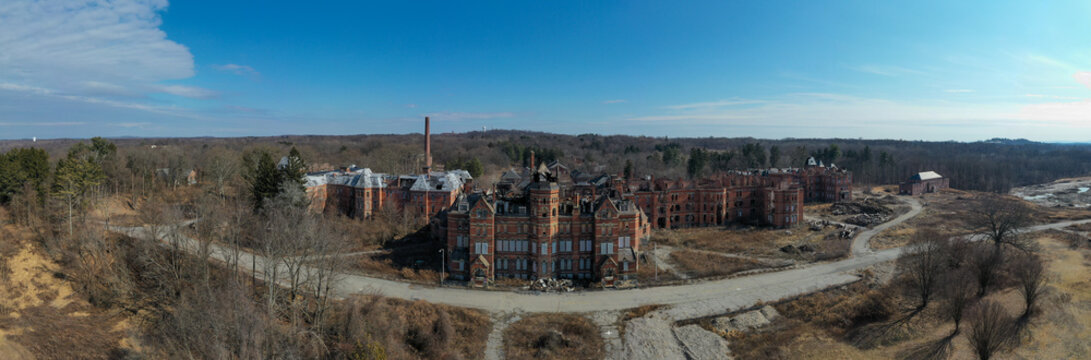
<point>1074,193</point>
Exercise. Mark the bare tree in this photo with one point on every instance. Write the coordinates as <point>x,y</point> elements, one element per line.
<point>221,168</point>
<point>984,262</point>
<point>990,329</point>
<point>1000,220</point>
<point>926,264</point>
<point>1030,276</point>
<point>324,273</point>
<point>958,292</point>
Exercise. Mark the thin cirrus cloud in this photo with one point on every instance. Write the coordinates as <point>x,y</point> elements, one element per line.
<point>242,70</point>
<point>468,115</point>
<point>111,54</point>
<point>958,91</point>
<point>1083,77</point>
<point>714,104</point>
<point>616,101</point>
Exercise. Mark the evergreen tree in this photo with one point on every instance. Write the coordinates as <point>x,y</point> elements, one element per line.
<point>698,158</point>
<point>294,168</point>
<point>262,176</point>
<point>628,169</point>
<point>475,168</point>
<point>75,176</point>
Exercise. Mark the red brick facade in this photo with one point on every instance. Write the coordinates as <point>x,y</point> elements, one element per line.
<point>543,234</point>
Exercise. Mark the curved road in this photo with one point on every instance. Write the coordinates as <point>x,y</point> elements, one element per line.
<point>687,301</point>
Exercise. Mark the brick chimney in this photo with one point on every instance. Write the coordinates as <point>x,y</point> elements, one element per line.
<point>532,166</point>
<point>427,145</point>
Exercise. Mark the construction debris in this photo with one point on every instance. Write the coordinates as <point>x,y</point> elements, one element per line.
<point>551,284</point>
<point>867,220</point>
<point>869,206</point>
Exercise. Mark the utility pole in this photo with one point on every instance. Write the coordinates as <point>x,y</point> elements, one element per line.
<point>656,258</point>
<point>442,264</point>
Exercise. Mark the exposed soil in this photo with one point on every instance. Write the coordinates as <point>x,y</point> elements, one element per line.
<point>42,317</point>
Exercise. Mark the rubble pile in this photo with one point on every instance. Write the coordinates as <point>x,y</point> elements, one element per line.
<point>747,321</point>
<point>791,249</point>
<point>550,284</point>
<point>869,206</point>
<point>867,220</point>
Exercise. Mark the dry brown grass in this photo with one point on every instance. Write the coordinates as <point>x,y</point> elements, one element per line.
<point>701,264</point>
<point>649,276</point>
<point>640,311</point>
<point>553,336</point>
<point>814,327</point>
<point>386,268</point>
<point>1081,227</point>
<point>755,242</point>
<point>410,330</point>
<point>40,314</point>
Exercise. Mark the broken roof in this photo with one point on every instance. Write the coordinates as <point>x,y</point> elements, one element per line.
<point>927,175</point>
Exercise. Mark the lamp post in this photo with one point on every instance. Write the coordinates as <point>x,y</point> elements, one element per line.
<point>442,265</point>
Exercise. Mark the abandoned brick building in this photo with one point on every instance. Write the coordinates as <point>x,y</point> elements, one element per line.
<point>544,230</point>
<point>361,193</point>
<point>924,182</point>
<point>556,222</point>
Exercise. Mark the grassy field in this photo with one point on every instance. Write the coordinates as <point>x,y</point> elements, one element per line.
<point>760,242</point>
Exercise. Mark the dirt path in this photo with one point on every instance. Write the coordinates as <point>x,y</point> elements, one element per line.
<point>662,259</point>
<point>860,243</point>
<point>494,347</point>
<point>688,301</point>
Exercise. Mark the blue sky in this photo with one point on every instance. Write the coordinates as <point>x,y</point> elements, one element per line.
<point>932,70</point>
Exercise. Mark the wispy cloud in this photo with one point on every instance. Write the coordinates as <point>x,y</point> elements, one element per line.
<point>188,91</point>
<point>714,104</point>
<point>1044,96</point>
<point>243,70</point>
<point>886,70</point>
<point>469,115</point>
<point>106,53</point>
<point>958,91</point>
<point>43,124</point>
<point>617,101</point>
<point>411,106</point>
<point>1083,77</point>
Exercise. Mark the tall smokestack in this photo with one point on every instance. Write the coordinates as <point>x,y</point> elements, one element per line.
<point>532,164</point>
<point>427,145</point>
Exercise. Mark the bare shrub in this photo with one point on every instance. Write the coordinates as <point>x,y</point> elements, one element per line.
<point>926,264</point>
<point>990,329</point>
<point>957,292</point>
<point>985,263</point>
<point>553,336</point>
<point>399,329</point>
<point>1030,277</point>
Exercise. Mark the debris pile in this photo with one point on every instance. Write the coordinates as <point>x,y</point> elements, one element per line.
<point>790,249</point>
<point>746,321</point>
<point>551,284</point>
<point>869,206</point>
<point>867,220</point>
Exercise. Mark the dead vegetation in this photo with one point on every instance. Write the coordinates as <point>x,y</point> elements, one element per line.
<point>875,321</point>
<point>702,264</point>
<point>369,326</point>
<point>553,336</point>
<point>41,316</point>
<point>754,241</point>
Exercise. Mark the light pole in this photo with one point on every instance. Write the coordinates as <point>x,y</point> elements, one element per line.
<point>656,258</point>
<point>442,264</point>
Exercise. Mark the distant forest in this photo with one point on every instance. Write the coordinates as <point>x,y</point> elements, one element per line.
<point>996,165</point>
